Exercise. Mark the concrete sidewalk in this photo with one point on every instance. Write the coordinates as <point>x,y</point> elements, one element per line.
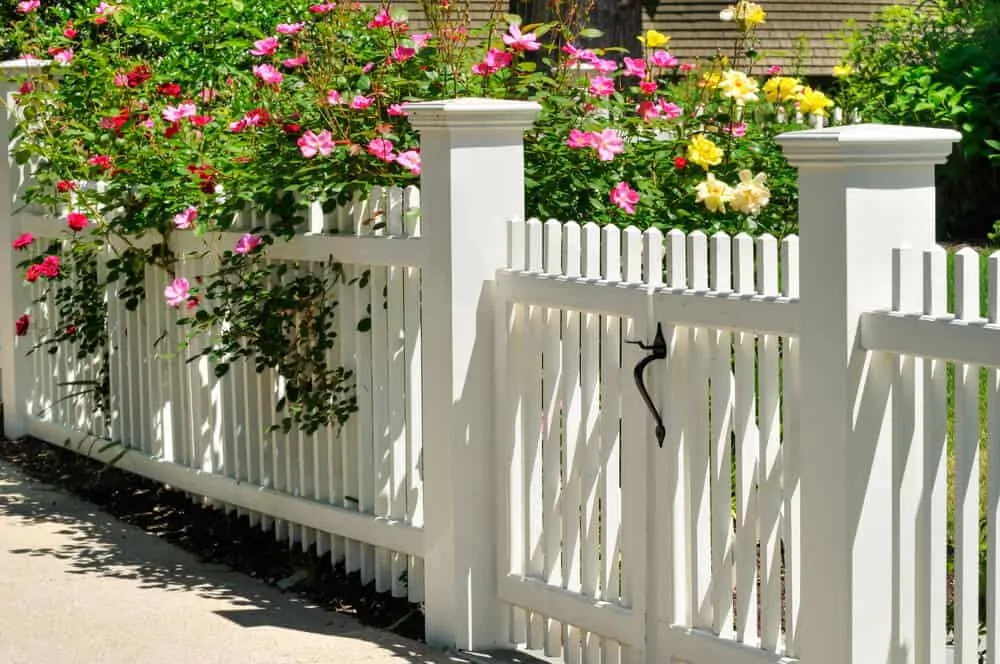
<point>77,586</point>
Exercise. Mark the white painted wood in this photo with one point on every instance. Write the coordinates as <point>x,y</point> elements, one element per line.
<point>348,295</point>
<point>993,479</point>
<point>414,394</point>
<point>791,485</point>
<point>747,450</point>
<point>382,452</point>
<point>366,408</point>
<point>699,444</point>
<point>609,477</point>
<point>967,472</point>
<point>635,446</point>
<point>531,371</point>
<point>590,378</point>
<point>469,194</point>
<point>863,190</point>
<point>908,453</point>
<point>769,456</point>
<point>721,376</point>
<point>552,441</point>
<point>573,439</point>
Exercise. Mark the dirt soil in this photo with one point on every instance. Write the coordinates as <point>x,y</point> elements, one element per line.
<point>213,535</point>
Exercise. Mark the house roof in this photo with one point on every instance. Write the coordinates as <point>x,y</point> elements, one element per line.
<point>696,30</point>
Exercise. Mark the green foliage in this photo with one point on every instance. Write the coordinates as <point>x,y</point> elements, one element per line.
<point>159,118</point>
<point>937,64</point>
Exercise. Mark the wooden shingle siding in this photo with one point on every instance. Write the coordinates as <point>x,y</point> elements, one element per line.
<point>697,32</point>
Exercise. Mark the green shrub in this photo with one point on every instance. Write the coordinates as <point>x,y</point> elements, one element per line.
<point>937,64</point>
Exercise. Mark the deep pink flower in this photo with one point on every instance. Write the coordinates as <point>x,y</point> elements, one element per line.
<point>649,87</point>
<point>685,68</point>
<point>310,144</point>
<point>268,74</point>
<point>580,139</point>
<point>602,86</point>
<point>662,59</point>
<point>774,70</point>
<point>403,53</point>
<point>21,325</point>
<point>737,129</point>
<point>292,63</point>
<point>201,120</point>
<point>32,273</point>
<point>103,11</point>
<point>289,28</point>
<point>381,20</point>
<point>185,219</point>
<point>322,8</point>
<point>22,241</point>
<point>76,221</point>
<point>177,292</point>
<point>368,67</point>
<point>625,197</point>
<point>397,110</point>
<point>635,67</point>
<point>420,39</point>
<point>267,46</point>
<point>495,61</point>
<point>246,244</point>
<point>515,40</point>
<point>63,56</point>
<point>69,32</point>
<point>49,267</point>
<point>604,66</point>
<point>575,54</point>
<point>382,148</point>
<point>334,98</point>
<point>409,160</point>
<point>28,6</point>
<point>121,79</point>
<point>608,143</point>
<point>101,161</point>
<point>669,109</point>
<point>647,110</point>
<point>361,102</point>
<point>179,112</point>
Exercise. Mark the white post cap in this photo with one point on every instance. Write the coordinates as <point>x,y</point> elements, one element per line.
<point>10,69</point>
<point>868,145</point>
<point>473,113</point>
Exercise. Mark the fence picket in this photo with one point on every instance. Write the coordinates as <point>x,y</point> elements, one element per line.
<point>531,370</point>
<point>722,457</point>
<point>413,365</point>
<point>993,480</point>
<point>609,484</point>
<point>349,294</point>
<point>747,447</point>
<point>769,469</point>
<point>967,470</point>
<point>790,458</point>
<point>699,531</point>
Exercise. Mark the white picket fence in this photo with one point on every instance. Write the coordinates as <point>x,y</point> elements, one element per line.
<point>797,509</point>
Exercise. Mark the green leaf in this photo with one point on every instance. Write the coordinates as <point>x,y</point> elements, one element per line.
<point>365,325</point>
<point>221,370</point>
<point>591,33</point>
<point>512,19</point>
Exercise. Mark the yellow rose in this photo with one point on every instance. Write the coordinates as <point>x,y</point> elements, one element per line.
<point>738,86</point>
<point>711,79</point>
<point>703,152</point>
<point>750,195</point>
<point>842,71</point>
<point>714,193</point>
<point>753,15</point>
<point>781,89</point>
<point>654,39</point>
<point>814,102</point>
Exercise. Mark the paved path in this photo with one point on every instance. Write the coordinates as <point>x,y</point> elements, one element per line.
<point>77,586</point>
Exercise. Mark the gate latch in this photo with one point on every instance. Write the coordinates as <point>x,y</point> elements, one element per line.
<point>657,351</point>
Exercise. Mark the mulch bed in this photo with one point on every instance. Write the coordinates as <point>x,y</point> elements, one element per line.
<point>213,535</point>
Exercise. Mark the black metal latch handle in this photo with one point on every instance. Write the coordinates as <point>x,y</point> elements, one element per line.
<point>657,351</point>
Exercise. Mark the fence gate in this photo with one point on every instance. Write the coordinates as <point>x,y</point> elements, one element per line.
<point>657,526</point>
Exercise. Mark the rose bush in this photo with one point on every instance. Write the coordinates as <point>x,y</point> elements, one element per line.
<point>153,121</point>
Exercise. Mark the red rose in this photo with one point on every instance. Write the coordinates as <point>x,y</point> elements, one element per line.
<point>201,120</point>
<point>76,221</point>
<point>137,76</point>
<point>49,267</point>
<point>34,271</point>
<point>22,240</point>
<point>69,32</point>
<point>169,89</point>
<point>21,325</point>
<point>680,162</point>
<point>71,329</point>
<point>101,161</point>
<point>172,129</point>
<point>65,185</point>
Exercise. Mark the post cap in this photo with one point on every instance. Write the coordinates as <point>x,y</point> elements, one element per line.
<point>472,113</point>
<point>868,145</point>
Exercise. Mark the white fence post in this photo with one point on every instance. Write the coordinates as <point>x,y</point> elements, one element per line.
<point>472,183</point>
<point>863,190</point>
<point>13,378</point>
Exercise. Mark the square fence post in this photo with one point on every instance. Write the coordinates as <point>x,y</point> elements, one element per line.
<point>472,183</point>
<point>863,191</point>
<point>13,298</point>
